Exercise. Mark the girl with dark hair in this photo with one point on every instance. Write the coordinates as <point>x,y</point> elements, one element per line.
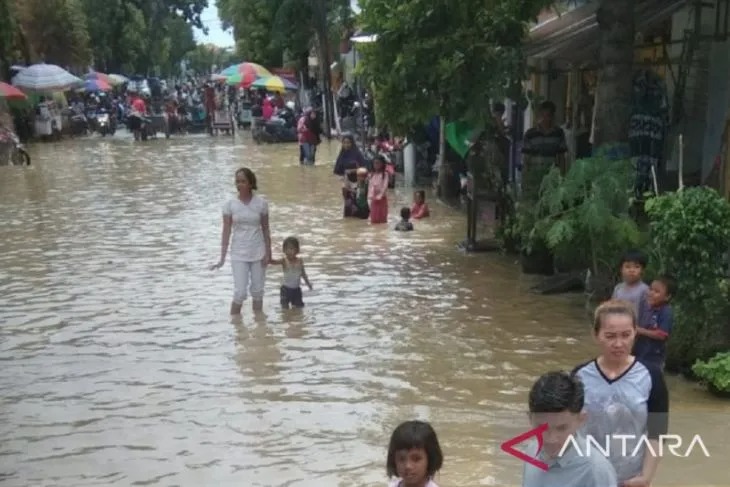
<point>414,455</point>
<point>377,192</point>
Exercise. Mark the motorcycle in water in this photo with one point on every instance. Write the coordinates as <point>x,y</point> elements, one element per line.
<point>140,126</point>
<point>92,122</point>
<point>105,123</point>
<point>16,153</point>
<point>280,128</point>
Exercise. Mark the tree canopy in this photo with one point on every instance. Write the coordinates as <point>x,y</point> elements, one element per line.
<point>130,36</point>
<point>440,57</point>
<point>271,32</point>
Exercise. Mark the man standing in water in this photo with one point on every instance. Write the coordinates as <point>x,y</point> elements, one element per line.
<point>544,147</point>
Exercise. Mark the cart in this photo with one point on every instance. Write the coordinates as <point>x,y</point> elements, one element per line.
<point>245,115</point>
<point>223,122</point>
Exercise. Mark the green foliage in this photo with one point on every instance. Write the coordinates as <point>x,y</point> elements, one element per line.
<point>204,57</point>
<point>443,57</point>
<point>266,30</point>
<point>253,28</point>
<point>690,234</point>
<point>715,372</point>
<point>129,36</point>
<point>57,31</point>
<point>584,216</point>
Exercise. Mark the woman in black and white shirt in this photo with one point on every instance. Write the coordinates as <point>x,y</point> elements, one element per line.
<point>626,400</point>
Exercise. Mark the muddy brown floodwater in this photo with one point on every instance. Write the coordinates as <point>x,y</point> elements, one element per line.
<point>120,365</point>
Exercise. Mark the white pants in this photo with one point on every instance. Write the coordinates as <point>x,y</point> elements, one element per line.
<point>248,276</point>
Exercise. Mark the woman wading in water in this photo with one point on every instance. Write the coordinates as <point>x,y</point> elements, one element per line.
<point>246,220</point>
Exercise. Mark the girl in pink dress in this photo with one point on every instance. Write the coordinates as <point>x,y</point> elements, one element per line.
<point>414,455</point>
<point>378,192</point>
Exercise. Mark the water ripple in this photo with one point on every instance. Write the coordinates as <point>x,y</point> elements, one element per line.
<point>120,365</point>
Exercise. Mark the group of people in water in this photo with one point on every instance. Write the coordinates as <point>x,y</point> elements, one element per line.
<point>620,396</point>
<point>365,188</point>
<point>617,400</point>
<point>246,237</point>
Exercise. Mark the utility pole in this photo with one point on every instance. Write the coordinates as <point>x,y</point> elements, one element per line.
<point>324,59</point>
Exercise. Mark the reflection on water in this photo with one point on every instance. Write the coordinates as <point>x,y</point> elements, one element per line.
<point>121,366</point>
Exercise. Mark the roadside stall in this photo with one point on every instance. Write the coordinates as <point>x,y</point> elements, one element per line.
<point>44,80</point>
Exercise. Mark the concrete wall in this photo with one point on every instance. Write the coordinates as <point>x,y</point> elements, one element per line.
<point>719,106</point>
<point>706,95</point>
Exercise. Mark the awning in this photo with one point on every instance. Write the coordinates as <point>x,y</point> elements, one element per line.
<point>574,36</point>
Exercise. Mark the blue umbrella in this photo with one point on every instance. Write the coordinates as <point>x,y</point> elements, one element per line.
<point>96,85</point>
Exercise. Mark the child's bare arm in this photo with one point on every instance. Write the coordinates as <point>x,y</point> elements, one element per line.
<point>305,277</point>
<point>276,262</point>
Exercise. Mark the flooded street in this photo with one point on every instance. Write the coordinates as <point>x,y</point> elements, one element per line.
<point>120,365</point>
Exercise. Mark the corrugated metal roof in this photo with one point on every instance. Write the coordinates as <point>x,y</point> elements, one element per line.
<point>574,36</point>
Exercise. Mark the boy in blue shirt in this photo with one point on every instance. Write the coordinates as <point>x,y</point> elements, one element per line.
<point>651,340</point>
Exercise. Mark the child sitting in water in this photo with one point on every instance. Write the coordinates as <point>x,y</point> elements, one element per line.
<point>404,225</point>
<point>293,266</point>
<point>420,208</point>
<point>414,455</point>
<point>356,196</point>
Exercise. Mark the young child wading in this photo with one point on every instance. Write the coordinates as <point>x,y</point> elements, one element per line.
<point>294,273</point>
<point>414,455</point>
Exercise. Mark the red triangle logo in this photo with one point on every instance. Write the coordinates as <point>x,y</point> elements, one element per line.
<point>508,445</point>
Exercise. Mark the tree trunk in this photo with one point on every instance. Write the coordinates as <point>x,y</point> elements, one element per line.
<point>613,92</point>
<point>325,70</point>
<point>443,175</point>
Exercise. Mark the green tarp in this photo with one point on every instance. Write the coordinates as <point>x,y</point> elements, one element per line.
<point>459,136</point>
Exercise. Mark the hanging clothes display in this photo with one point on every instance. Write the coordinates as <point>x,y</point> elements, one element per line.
<point>648,128</point>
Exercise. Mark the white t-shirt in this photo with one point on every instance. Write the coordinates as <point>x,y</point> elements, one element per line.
<point>247,241</point>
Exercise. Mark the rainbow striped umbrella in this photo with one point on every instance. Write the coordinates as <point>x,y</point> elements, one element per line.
<point>274,83</point>
<point>247,74</point>
<point>230,70</point>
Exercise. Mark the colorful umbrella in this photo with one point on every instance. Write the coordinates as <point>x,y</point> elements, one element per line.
<point>118,79</point>
<point>10,92</point>
<point>95,75</point>
<point>96,85</point>
<point>274,83</point>
<point>46,78</point>
<point>230,70</point>
<point>247,74</point>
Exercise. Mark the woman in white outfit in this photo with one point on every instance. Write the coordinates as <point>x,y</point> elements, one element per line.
<point>246,220</point>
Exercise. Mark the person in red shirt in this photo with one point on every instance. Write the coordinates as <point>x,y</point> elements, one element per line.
<point>138,105</point>
<point>267,108</point>
<point>420,208</point>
